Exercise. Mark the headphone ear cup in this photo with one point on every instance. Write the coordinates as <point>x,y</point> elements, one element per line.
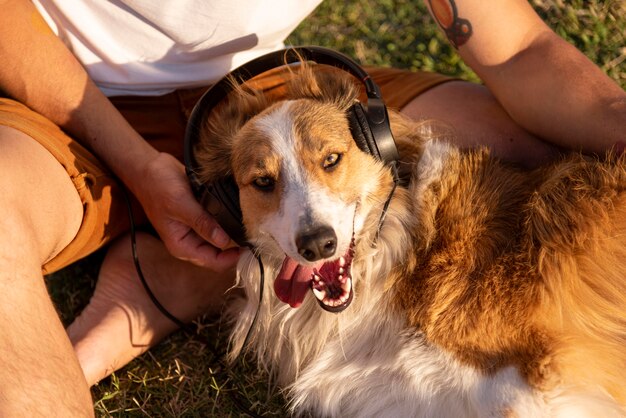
<point>221,200</point>
<point>360,129</point>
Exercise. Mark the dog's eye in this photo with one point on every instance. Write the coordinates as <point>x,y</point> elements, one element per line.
<point>265,184</point>
<point>332,160</point>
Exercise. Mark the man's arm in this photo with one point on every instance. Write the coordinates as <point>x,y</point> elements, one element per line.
<point>545,84</point>
<point>38,70</point>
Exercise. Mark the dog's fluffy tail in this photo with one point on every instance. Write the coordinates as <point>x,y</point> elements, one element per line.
<point>579,224</point>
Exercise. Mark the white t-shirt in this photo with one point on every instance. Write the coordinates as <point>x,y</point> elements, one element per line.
<point>151,47</point>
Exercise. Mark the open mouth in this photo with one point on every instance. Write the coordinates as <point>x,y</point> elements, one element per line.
<point>332,283</point>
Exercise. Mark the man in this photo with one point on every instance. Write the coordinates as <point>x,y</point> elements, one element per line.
<point>107,77</point>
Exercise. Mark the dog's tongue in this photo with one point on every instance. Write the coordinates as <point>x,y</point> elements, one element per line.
<point>293,282</point>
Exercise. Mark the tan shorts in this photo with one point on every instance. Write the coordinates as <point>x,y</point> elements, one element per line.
<point>161,121</point>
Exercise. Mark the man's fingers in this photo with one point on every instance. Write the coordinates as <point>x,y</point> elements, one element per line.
<point>205,225</point>
<point>196,250</point>
<point>218,237</point>
<point>219,260</point>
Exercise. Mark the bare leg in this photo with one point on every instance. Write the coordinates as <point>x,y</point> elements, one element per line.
<point>41,213</point>
<point>478,119</point>
<point>121,322</point>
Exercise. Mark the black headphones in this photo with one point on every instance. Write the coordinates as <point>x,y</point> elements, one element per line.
<point>369,126</point>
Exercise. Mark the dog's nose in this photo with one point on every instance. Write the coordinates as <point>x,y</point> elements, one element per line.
<point>314,244</point>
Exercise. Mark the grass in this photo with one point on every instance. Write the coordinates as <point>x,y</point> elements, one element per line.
<point>174,379</point>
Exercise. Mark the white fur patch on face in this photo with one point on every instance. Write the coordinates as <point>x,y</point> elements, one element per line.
<point>305,202</point>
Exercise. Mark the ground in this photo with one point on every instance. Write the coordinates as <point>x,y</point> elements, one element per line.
<point>175,378</point>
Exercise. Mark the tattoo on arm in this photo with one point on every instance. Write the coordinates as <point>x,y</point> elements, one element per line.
<point>457,30</point>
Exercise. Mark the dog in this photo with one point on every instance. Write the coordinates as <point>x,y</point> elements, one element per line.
<point>474,288</point>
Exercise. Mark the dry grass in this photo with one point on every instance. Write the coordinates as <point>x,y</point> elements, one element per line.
<point>181,376</point>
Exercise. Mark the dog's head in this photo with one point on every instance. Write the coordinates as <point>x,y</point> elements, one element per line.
<point>305,187</point>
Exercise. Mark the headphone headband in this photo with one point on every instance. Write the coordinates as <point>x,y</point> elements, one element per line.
<point>372,132</point>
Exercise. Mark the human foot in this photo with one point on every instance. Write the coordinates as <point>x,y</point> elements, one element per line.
<point>121,322</point>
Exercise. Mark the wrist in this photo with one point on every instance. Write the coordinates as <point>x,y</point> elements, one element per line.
<point>134,167</point>
<point>109,135</point>
<point>156,171</point>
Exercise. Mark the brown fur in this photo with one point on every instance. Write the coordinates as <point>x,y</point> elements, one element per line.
<point>319,126</point>
<point>527,268</point>
<point>243,104</point>
<point>505,267</point>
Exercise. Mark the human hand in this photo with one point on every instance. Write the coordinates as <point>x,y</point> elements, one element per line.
<point>187,230</point>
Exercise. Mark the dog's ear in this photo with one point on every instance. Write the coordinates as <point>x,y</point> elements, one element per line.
<point>325,84</point>
<point>214,149</point>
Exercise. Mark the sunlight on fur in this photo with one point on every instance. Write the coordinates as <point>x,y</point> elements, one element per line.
<point>489,290</point>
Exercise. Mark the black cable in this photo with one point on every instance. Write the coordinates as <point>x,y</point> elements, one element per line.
<point>153,298</point>
<point>258,308</point>
<point>190,330</point>
<point>383,215</point>
<point>185,327</point>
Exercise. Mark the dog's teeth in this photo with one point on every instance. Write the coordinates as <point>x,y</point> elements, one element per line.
<point>340,278</point>
<point>318,280</point>
<point>342,261</point>
<point>346,286</point>
<point>341,270</point>
<point>320,294</point>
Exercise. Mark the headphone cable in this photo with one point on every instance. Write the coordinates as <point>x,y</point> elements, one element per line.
<point>185,327</point>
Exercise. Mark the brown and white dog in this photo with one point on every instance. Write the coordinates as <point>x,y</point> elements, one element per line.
<point>489,291</point>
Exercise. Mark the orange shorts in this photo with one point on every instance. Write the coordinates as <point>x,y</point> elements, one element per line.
<point>161,121</point>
